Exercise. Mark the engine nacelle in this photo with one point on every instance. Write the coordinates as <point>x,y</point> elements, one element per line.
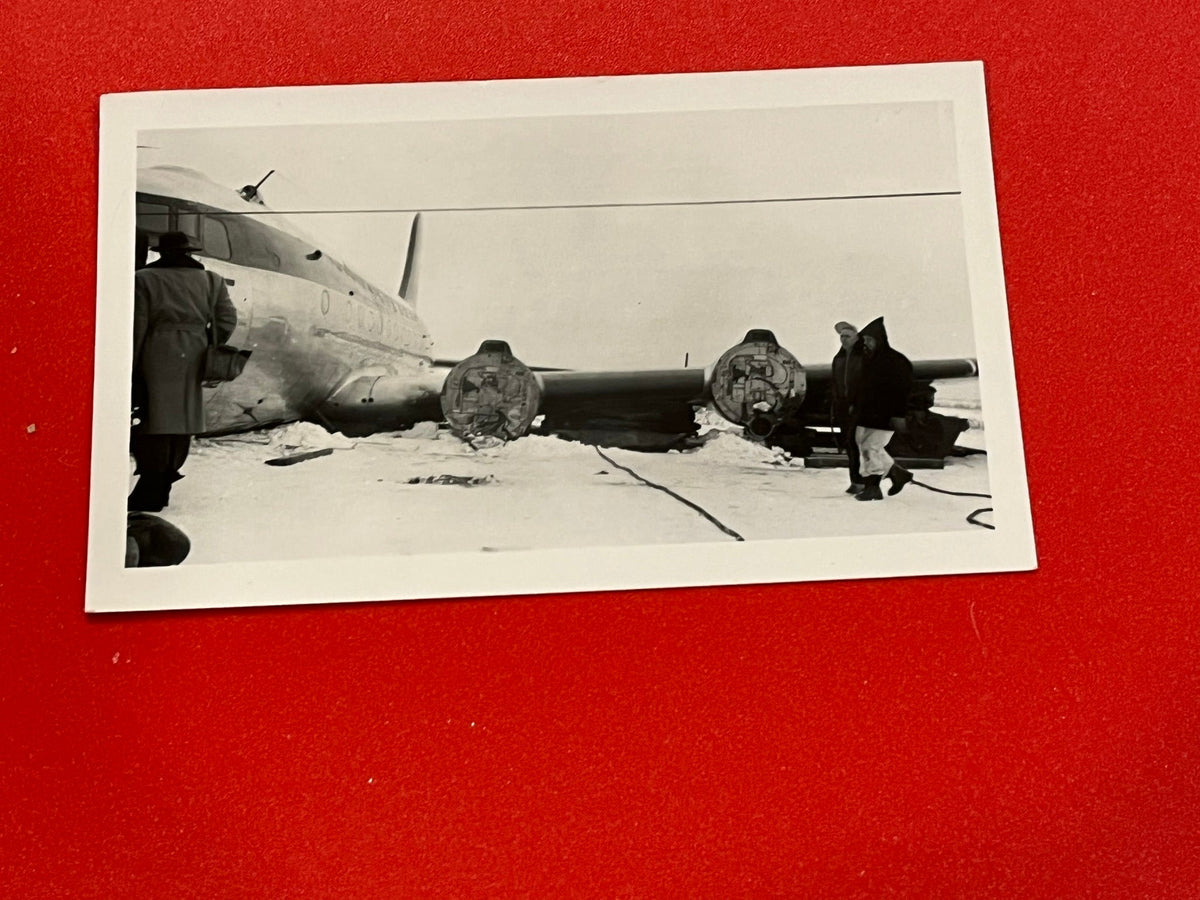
<point>491,394</point>
<point>752,380</point>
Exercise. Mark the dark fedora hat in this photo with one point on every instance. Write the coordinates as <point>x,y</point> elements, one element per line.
<point>174,242</point>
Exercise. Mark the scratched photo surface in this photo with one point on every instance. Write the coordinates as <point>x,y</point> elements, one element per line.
<point>559,335</point>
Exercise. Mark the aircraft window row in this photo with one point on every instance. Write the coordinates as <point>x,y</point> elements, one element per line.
<point>235,238</point>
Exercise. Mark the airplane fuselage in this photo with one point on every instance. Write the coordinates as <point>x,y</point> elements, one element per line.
<point>313,325</point>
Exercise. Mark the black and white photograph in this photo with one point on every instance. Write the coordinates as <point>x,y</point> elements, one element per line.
<point>461,339</point>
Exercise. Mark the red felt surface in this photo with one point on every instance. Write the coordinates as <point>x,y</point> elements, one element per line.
<point>1014,735</point>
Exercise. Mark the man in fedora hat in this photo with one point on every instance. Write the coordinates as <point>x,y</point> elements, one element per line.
<point>175,302</point>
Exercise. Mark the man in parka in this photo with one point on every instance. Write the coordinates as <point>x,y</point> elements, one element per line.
<point>847,376</point>
<point>881,409</point>
<point>175,303</point>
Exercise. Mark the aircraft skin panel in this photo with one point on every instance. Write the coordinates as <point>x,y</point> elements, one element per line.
<point>304,339</point>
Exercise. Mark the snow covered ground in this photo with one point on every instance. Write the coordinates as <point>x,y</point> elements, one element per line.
<point>424,491</point>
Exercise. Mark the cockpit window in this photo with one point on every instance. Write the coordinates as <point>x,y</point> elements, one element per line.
<point>258,247</point>
<point>215,239</point>
<point>189,224</point>
<point>153,218</point>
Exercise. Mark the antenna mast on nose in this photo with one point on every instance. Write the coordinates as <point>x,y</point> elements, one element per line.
<point>250,192</point>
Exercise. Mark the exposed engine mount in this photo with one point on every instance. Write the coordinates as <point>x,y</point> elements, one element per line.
<point>752,381</point>
<point>491,393</point>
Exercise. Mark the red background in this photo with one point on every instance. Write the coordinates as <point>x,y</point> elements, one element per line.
<point>852,738</point>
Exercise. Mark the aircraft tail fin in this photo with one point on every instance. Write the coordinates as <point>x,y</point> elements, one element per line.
<point>408,281</point>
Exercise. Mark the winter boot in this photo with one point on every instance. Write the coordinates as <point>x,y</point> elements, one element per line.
<point>150,493</point>
<point>900,477</point>
<point>169,479</point>
<point>855,487</point>
<point>871,491</point>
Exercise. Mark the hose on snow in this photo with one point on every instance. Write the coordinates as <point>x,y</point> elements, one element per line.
<point>658,487</point>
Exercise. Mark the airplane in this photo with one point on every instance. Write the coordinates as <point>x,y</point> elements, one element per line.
<point>327,346</point>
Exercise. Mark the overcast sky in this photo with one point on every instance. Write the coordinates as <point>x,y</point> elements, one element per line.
<point>631,284</point>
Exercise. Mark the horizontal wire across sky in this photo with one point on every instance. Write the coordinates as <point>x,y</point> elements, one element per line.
<point>622,205</point>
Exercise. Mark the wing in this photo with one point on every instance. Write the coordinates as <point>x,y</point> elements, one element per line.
<point>756,383</point>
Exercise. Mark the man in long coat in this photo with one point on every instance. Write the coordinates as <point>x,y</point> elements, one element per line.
<point>881,410</point>
<point>175,302</point>
<point>847,378</point>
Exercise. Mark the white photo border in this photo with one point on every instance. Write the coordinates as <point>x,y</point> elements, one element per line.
<point>111,587</point>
